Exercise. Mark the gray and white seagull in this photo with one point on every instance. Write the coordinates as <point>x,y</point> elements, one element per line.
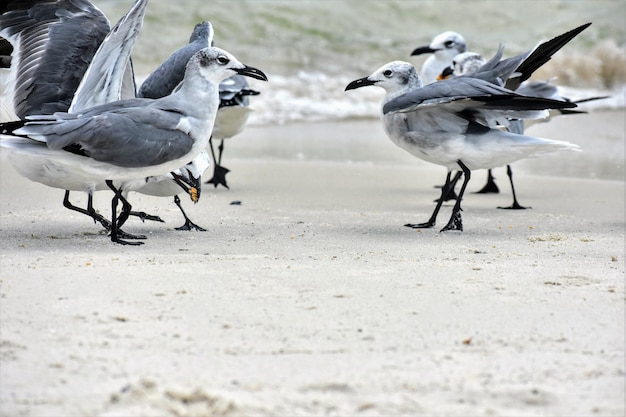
<point>126,140</point>
<point>234,95</point>
<point>444,47</point>
<point>472,64</point>
<point>454,123</point>
<point>65,57</point>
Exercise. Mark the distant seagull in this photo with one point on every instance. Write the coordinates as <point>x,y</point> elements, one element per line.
<point>231,119</point>
<point>234,91</point>
<point>444,47</point>
<point>126,140</point>
<point>454,122</point>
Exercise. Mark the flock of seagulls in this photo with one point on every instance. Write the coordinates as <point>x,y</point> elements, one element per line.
<point>471,119</point>
<point>111,137</point>
<point>85,126</point>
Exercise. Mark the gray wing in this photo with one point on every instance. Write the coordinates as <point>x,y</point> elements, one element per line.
<point>110,70</point>
<point>172,71</point>
<point>539,89</point>
<point>498,70</point>
<point>542,54</point>
<point>443,92</point>
<point>127,137</point>
<point>475,93</point>
<point>512,72</point>
<point>54,42</point>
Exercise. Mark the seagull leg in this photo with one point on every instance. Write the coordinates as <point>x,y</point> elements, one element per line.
<point>89,211</point>
<point>123,216</point>
<point>189,225</point>
<point>451,194</point>
<point>516,205</point>
<point>221,149</point>
<point>444,192</point>
<point>490,187</point>
<point>455,222</point>
<point>107,224</point>
<point>219,172</point>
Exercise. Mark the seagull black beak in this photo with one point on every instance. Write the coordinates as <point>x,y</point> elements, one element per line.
<point>251,72</point>
<point>361,82</point>
<point>423,50</point>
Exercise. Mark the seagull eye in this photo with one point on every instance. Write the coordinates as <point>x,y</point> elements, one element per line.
<point>388,73</point>
<point>222,60</point>
<point>449,44</point>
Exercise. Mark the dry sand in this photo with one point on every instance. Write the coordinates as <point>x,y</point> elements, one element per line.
<point>311,298</point>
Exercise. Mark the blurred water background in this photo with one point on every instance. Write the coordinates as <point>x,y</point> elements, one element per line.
<point>312,49</point>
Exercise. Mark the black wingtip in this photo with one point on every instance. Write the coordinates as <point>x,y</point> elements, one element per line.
<point>7,128</point>
<point>542,54</point>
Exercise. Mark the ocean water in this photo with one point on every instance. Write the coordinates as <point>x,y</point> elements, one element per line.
<point>312,49</point>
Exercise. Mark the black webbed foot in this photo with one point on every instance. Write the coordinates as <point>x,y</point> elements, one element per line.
<point>189,225</point>
<point>490,186</point>
<point>515,206</point>
<point>143,216</point>
<point>455,222</point>
<point>124,235</point>
<point>125,242</point>
<point>219,176</point>
<point>426,225</point>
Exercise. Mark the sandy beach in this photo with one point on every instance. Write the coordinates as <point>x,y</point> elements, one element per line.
<point>311,298</point>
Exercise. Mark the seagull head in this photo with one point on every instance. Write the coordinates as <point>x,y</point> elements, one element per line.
<point>446,46</point>
<point>462,64</point>
<point>467,63</point>
<point>216,65</point>
<point>394,77</point>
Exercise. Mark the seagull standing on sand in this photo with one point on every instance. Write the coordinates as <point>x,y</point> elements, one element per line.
<point>444,47</point>
<point>139,138</point>
<point>470,64</point>
<point>55,44</point>
<point>453,123</point>
<point>45,34</point>
<point>231,118</point>
<point>234,91</point>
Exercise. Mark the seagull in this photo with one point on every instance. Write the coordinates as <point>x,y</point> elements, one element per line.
<point>54,42</point>
<point>469,63</point>
<point>454,123</point>
<point>126,140</point>
<point>109,77</point>
<point>444,47</point>
<point>231,118</point>
<point>234,91</point>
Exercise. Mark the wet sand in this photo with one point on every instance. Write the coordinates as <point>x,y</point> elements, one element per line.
<point>311,298</point>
